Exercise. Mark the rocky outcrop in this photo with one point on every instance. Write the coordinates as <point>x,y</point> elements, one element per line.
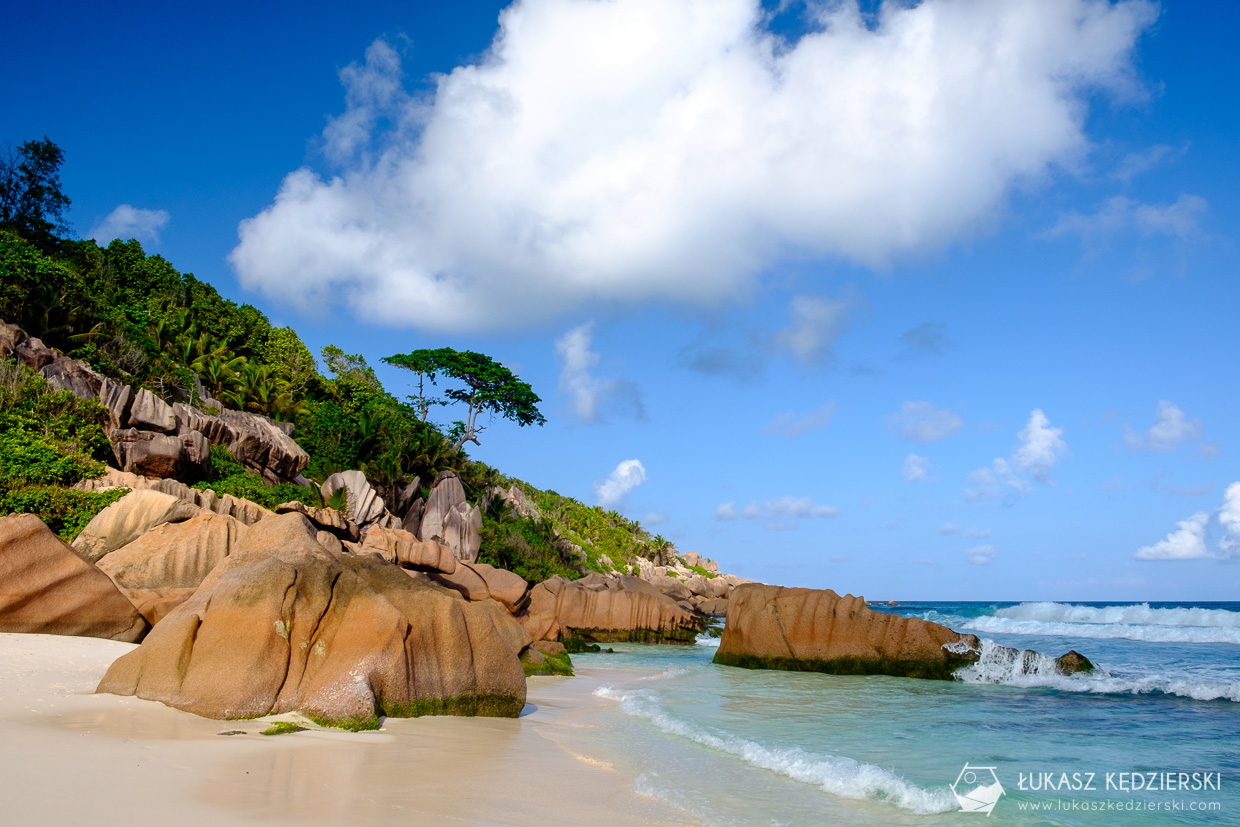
<point>282,625</point>
<point>480,581</point>
<point>398,546</point>
<point>150,413</point>
<point>816,630</point>
<point>606,609</point>
<point>46,588</point>
<point>238,508</point>
<point>365,506</point>
<point>127,519</point>
<point>325,519</point>
<point>73,376</point>
<point>151,454</point>
<point>450,519</point>
<point>174,555</point>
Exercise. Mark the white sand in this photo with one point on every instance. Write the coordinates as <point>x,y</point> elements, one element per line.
<point>68,757</point>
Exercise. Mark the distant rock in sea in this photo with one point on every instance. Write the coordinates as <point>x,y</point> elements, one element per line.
<point>816,630</point>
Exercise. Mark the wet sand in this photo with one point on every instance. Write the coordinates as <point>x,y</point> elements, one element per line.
<point>68,756</point>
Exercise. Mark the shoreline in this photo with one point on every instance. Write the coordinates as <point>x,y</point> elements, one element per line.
<point>127,759</point>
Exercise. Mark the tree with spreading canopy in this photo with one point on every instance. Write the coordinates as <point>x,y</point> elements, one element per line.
<point>31,201</point>
<point>489,386</point>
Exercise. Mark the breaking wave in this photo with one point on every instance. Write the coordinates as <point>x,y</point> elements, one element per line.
<point>1132,622</point>
<point>833,774</point>
<point>1011,667</point>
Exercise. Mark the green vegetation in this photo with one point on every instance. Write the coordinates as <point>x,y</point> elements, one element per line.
<point>283,728</point>
<point>686,636</point>
<point>351,724</point>
<point>490,706</point>
<point>49,440</point>
<point>577,645</point>
<point>700,570</point>
<point>227,476</point>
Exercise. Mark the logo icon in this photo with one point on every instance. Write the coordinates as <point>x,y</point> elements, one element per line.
<point>977,789</point>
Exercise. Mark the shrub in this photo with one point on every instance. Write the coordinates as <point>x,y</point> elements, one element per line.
<point>65,511</point>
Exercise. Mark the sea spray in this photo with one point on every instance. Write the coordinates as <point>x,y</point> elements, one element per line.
<point>838,775</point>
<point>1002,665</point>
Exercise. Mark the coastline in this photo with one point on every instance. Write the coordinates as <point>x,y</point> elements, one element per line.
<point>125,759</point>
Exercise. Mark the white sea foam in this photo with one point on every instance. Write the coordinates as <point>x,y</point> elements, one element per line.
<point>1001,665</point>
<point>707,640</point>
<point>1132,622</point>
<point>837,775</point>
<point>668,673</point>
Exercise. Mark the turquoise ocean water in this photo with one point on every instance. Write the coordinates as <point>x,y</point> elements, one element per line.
<point>733,746</point>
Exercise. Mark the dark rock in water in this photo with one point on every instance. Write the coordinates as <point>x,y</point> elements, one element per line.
<point>1072,662</point>
<point>813,630</point>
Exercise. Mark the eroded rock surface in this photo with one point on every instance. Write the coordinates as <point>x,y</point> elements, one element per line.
<point>129,518</point>
<point>605,609</point>
<point>282,625</point>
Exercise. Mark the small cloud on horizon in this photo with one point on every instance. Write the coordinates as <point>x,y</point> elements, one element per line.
<point>776,515</point>
<point>127,222</point>
<point>612,491</point>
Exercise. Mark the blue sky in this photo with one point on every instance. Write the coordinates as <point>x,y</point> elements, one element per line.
<point>934,303</point>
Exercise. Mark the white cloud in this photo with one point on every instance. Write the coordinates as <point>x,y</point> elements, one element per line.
<point>793,424</point>
<point>981,555</point>
<point>814,325</point>
<point>127,222</point>
<point>1171,427</point>
<point>590,395</point>
<point>674,149</point>
<point>1229,519</point>
<point>1040,447</point>
<point>989,482</point>
<point>624,478</point>
<point>922,422</point>
<point>1187,542</point>
<point>915,467</point>
<point>1180,220</point>
<point>776,515</point>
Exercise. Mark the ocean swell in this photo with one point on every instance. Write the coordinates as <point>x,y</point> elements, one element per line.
<point>1132,622</point>
<point>837,775</point>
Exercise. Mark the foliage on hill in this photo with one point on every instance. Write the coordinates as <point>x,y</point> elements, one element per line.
<point>48,441</point>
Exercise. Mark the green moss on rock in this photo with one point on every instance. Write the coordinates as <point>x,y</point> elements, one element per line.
<point>682,636</point>
<point>929,670</point>
<point>490,706</point>
<point>552,664</point>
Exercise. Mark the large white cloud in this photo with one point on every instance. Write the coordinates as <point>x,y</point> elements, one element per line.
<point>672,149</point>
<point>1187,542</point>
<point>1039,446</point>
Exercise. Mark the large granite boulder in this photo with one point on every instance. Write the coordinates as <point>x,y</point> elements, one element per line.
<point>117,398</point>
<point>365,506</point>
<point>46,588</point>
<point>282,625</point>
<point>400,547</point>
<point>129,518</point>
<point>450,519</point>
<point>480,581</point>
<point>607,609</point>
<point>151,454</point>
<point>150,413</point>
<point>816,630</point>
<point>174,555</point>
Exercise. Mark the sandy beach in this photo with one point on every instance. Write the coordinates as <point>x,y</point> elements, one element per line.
<point>72,757</point>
